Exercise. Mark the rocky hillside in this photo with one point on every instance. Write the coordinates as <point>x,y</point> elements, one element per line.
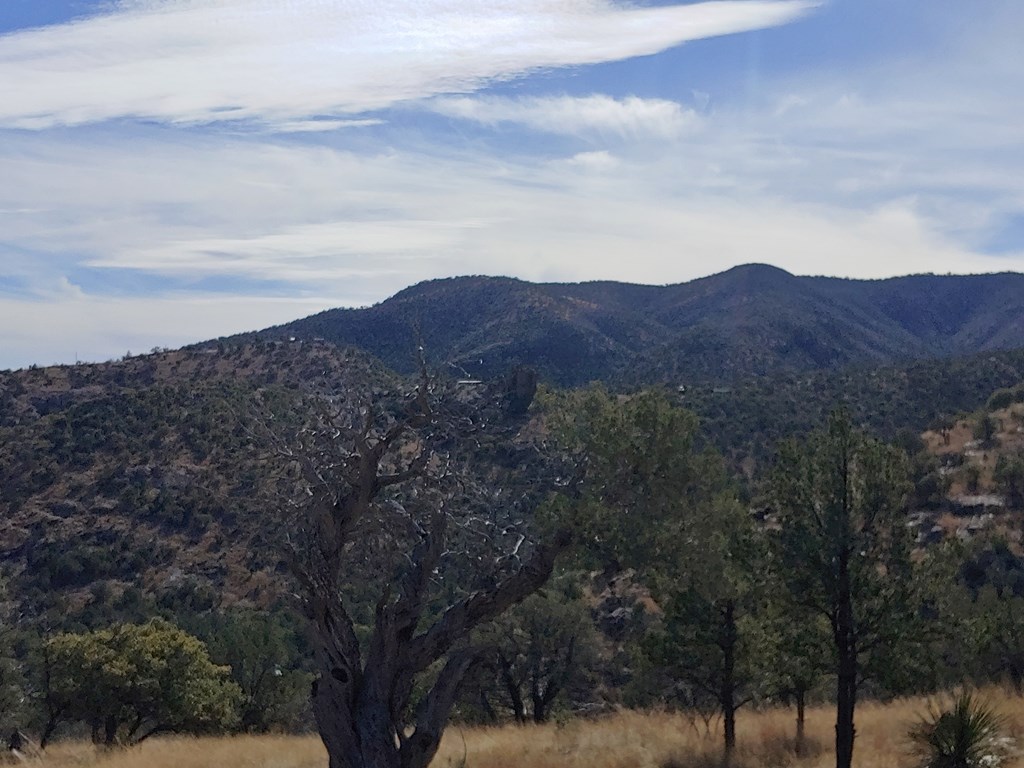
<point>137,478</point>
<point>143,483</point>
<point>971,473</point>
<point>135,482</point>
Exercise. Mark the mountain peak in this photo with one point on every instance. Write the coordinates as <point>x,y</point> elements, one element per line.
<point>755,275</point>
<point>757,268</point>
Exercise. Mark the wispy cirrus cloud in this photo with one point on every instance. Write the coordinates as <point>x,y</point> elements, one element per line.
<point>596,115</point>
<point>275,61</point>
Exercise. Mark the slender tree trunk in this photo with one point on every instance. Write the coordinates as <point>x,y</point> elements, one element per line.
<point>846,648</point>
<point>488,710</point>
<point>53,712</point>
<point>50,727</point>
<point>110,731</point>
<point>545,691</point>
<point>515,698</point>
<point>798,747</point>
<point>540,705</point>
<point>729,719</point>
<point>727,693</point>
<point>846,701</point>
<point>1016,677</point>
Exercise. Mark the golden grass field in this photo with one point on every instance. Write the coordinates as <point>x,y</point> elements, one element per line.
<point>623,740</point>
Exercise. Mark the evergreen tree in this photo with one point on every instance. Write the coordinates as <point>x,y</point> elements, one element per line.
<point>12,678</point>
<point>711,616</point>
<point>654,503</point>
<point>794,653</point>
<point>545,650</point>
<point>263,652</point>
<point>843,551</point>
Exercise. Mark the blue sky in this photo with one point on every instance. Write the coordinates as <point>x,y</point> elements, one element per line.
<point>175,170</point>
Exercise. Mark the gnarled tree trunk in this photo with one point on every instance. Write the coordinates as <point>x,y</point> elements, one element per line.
<point>361,707</point>
<point>362,695</point>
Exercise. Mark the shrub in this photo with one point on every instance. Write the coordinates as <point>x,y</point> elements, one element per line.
<point>968,735</point>
<point>132,681</point>
<point>1004,398</point>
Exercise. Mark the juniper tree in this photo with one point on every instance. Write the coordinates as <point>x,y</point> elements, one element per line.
<point>409,501</point>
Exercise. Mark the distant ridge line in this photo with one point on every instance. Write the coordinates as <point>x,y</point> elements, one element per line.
<point>753,319</point>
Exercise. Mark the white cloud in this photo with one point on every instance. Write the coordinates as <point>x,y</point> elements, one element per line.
<point>188,61</point>
<point>301,254</point>
<point>345,230</point>
<point>563,229</point>
<point>596,115</point>
<point>601,161</point>
<point>318,126</point>
<point>323,219</point>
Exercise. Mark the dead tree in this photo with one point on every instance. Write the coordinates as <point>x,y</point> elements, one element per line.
<point>386,492</point>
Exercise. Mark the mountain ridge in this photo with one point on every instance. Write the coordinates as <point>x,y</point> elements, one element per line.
<point>753,319</point>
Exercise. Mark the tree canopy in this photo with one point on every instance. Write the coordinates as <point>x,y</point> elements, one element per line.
<point>132,681</point>
<point>843,551</point>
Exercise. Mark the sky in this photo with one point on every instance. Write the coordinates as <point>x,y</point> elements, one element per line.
<point>178,170</point>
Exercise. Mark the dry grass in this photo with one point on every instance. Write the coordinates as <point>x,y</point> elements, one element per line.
<point>184,752</point>
<point>624,740</point>
<point>661,740</point>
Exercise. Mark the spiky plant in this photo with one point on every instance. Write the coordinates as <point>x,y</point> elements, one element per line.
<point>965,736</point>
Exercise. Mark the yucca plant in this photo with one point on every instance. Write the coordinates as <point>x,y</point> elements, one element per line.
<point>968,735</point>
